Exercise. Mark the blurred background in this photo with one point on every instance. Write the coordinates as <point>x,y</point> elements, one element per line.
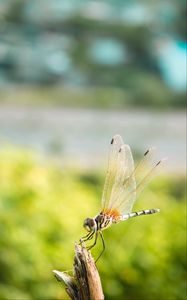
<point>73,74</point>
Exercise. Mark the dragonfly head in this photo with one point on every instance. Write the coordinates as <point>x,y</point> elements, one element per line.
<point>90,224</point>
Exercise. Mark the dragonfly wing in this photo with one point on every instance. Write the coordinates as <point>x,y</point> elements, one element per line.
<point>149,173</point>
<point>115,146</point>
<point>135,183</point>
<point>145,164</point>
<point>125,183</point>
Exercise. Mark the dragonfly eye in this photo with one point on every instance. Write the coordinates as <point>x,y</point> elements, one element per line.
<point>89,224</point>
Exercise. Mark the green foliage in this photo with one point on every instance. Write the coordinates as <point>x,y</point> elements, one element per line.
<point>42,207</point>
<point>138,93</point>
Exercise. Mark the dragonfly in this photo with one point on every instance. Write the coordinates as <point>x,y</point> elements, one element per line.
<point>123,183</point>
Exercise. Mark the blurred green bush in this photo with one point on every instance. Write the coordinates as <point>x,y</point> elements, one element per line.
<point>42,207</point>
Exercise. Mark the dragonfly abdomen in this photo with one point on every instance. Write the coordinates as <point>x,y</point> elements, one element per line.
<point>139,213</point>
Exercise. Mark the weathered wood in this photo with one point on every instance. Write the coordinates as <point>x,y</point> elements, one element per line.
<point>86,283</point>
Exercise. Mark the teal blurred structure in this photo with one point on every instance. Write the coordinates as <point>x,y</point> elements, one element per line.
<point>82,43</point>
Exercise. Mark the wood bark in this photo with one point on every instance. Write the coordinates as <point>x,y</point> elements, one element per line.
<point>86,283</point>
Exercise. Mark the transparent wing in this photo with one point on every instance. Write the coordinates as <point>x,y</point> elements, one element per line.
<point>125,183</point>
<point>135,181</point>
<point>112,169</point>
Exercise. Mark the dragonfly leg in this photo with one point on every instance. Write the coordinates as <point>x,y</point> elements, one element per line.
<point>87,237</point>
<point>96,236</point>
<point>103,243</point>
<point>90,237</point>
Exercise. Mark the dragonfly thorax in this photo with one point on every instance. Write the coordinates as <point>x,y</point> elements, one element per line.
<point>100,222</point>
<point>103,221</point>
<point>90,224</point>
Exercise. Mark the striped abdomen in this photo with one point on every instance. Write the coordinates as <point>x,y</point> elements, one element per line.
<point>139,213</point>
